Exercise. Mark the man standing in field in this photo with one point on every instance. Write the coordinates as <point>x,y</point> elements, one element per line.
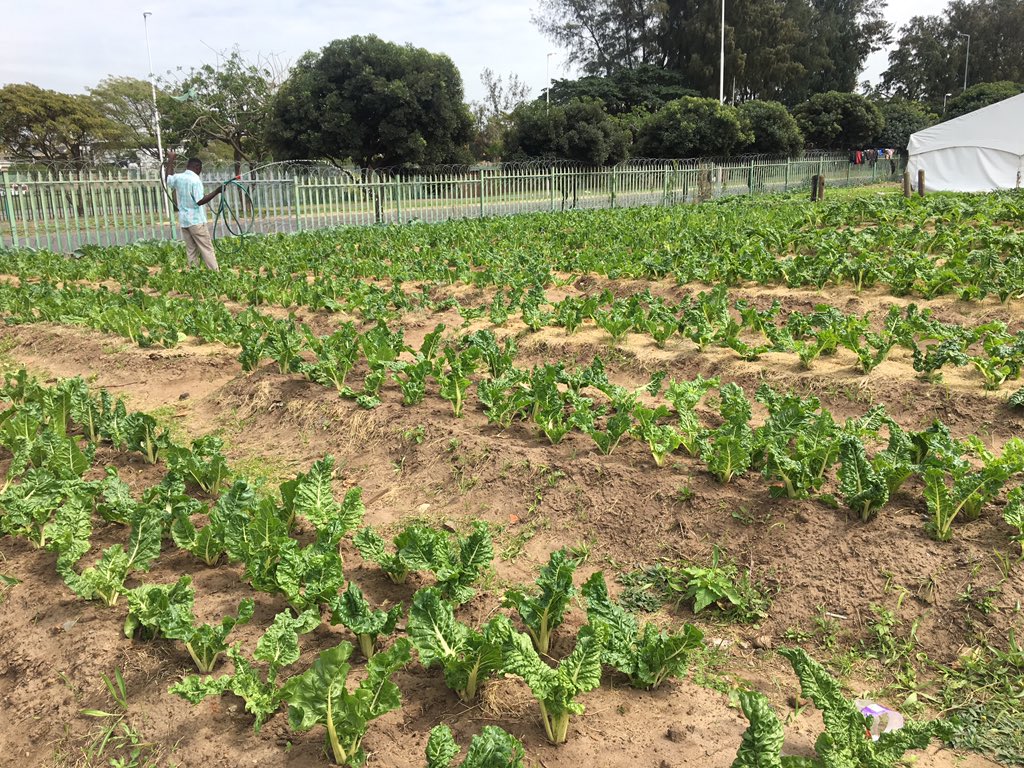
<point>191,216</point>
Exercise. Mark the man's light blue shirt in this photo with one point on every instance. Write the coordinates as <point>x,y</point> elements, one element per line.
<point>189,188</point>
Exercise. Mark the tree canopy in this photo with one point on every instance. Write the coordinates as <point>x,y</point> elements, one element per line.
<point>52,126</point>
<point>841,121</point>
<point>931,52</point>
<point>376,103</point>
<point>692,127</point>
<point>902,118</point>
<point>227,103</point>
<point>773,129</point>
<point>580,132</point>
<point>981,95</point>
<point>775,49</point>
<point>645,87</point>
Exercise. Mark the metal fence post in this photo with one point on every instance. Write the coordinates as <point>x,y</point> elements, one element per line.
<point>612,175</point>
<point>785,184</point>
<point>480,175</point>
<point>298,204</point>
<point>551,187</point>
<point>750,177</point>
<point>6,189</point>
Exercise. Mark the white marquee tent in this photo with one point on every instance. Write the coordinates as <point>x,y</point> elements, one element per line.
<point>978,152</point>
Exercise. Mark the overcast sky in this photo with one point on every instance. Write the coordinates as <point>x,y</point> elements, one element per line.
<point>68,45</point>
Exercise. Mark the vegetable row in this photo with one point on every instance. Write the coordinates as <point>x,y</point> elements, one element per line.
<point>47,499</point>
<point>708,318</point>
<point>963,245</point>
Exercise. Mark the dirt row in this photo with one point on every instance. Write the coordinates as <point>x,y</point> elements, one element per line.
<point>621,509</point>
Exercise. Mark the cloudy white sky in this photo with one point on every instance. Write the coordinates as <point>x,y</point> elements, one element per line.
<point>69,45</point>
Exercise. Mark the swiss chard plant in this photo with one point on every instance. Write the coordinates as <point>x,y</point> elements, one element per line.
<point>543,611</point>
<point>846,741</point>
<point>491,748</point>
<point>1013,514</point>
<point>761,744</point>
<point>954,487</point>
<point>467,656</point>
<point>353,611</point>
<point>309,495</point>
<point>167,611</point>
<point>203,464</point>
<point>555,688</point>
<point>320,696</point>
<point>105,580</point>
<point>728,450</point>
<point>257,685</point>
<point>647,656</point>
<point>463,562</point>
<point>416,548</point>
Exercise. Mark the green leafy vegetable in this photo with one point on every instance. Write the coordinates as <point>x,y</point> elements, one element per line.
<point>491,748</point>
<point>353,611</point>
<point>320,696</point>
<point>468,657</point>
<point>542,613</point>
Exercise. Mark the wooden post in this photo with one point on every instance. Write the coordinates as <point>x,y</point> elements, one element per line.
<point>814,188</point>
<point>821,187</point>
<point>906,184</point>
<point>920,182</point>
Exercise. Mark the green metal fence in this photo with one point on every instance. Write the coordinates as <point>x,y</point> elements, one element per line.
<point>63,211</point>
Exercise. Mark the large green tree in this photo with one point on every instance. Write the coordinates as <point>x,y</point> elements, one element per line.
<point>930,57</point>
<point>902,118</point>
<point>981,95</point>
<point>54,127</point>
<point>227,103</point>
<point>692,127</point>
<point>774,49</point>
<point>580,132</point>
<point>373,102</point>
<point>603,36</point>
<point>837,120</point>
<point>128,102</point>
<point>773,129</point>
<point>645,87</point>
<point>491,115</point>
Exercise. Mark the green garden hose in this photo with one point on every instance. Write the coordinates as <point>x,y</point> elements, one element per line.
<point>235,216</point>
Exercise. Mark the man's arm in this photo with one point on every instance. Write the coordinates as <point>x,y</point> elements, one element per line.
<point>169,163</point>
<point>217,190</point>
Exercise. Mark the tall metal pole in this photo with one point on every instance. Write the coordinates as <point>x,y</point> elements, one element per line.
<point>721,62</point>
<point>967,57</point>
<point>165,204</point>
<point>152,85</point>
<point>547,82</point>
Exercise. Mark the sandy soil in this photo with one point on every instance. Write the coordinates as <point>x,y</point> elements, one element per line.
<point>55,648</point>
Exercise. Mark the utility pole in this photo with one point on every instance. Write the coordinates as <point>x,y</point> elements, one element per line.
<point>547,85</point>
<point>721,62</point>
<point>967,57</point>
<point>152,85</point>
<point>944,103</point>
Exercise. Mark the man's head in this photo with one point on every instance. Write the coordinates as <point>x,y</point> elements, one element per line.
<point>195,165</point>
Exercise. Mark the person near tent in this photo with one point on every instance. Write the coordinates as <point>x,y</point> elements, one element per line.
<point>890,155</point>
<point>188,189</point>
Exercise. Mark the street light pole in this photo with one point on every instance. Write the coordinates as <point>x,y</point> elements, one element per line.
<point>967,57</point>
<point>721,62</point>
<point>547,86</point>
<point>944,103</point>
<point>152,85</point>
